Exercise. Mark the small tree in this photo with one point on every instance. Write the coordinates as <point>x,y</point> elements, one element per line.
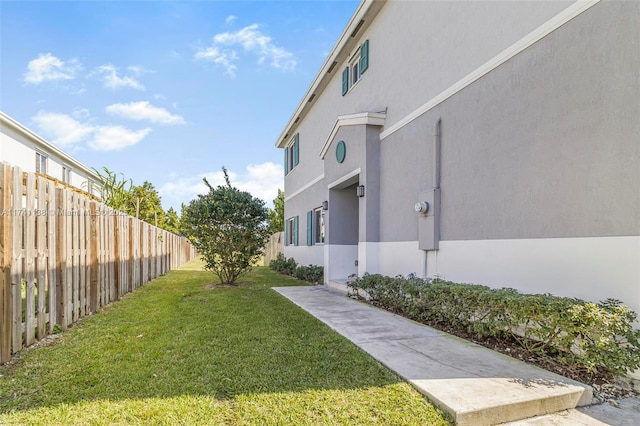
<point>276,215</point>
<point>229,229</point>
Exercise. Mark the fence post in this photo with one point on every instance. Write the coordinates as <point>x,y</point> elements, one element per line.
<point>61,256</point>
<point>52,263</point>
<point>94,300</point>
<point>5,258</point>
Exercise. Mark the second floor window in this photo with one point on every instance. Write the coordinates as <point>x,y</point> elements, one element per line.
<point>292,154</point>
<point>41,163</point>
<point>66,174</point>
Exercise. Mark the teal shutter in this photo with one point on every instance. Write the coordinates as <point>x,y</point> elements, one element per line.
<point>345,81</point>
<point>286,233</point>
<point>286,161</point>
<point>364,57</point>
<point>296,149</point>
<point>295,231</point>
<point>310,228</point>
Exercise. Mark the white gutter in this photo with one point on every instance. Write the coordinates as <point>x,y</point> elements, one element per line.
<point>47,147</point>
<point>366,11</point>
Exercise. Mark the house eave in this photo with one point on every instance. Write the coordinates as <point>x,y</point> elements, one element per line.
<point>45,146</point>
<point>359,22</point>
<point>362,118</point>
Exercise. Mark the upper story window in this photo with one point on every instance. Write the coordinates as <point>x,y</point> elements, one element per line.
<point>66,174</point>
<point>292,154</point>
<point>41,163</point>
<point>357,65</point>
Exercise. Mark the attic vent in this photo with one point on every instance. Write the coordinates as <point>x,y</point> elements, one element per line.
<point>333,65</point>
<point>311,97</point>
<point>297,119</point>
<point>355,31</point>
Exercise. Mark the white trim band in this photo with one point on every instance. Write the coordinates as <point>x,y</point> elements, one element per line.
<point>304,188</point>
<point>536,35</point>
<point>371,118</point>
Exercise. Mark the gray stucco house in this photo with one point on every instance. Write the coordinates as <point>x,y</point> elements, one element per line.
<point>493,142</point>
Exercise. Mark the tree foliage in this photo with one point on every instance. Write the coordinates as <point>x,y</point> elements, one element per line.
<point>115,191</point>
<point>140,201</point>
<point>276,215</point>
<point>229,229</point>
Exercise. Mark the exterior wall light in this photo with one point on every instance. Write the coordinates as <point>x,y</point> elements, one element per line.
<point>325,205</point>
<point>360,190</point>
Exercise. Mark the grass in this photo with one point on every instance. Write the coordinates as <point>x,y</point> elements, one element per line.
<point>175,352</point>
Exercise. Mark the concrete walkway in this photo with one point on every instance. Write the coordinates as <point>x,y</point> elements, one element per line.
<point>476,385</point>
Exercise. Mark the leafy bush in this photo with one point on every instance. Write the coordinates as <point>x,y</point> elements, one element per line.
<point>283,265</point>
<point>312,273</point>
<point>228,227</point>
<point>586,338</point>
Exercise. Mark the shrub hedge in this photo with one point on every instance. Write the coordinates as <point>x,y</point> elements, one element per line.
<point>312,273</point>
<point>588,339</point>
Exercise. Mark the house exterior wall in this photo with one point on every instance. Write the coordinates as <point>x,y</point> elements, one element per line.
<point>539,181</point>
<point>18,147</point>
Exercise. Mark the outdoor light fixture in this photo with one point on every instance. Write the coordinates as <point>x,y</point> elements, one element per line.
<point>325,205</point>
<point>360,190</point>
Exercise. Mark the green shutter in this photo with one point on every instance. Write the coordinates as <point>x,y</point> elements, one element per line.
<point>286,233</point>
<point>296,149</point>
<point>345,81</point>
<point>286,161</point>
<point>310,228</point>
<point>364,57</point>
<point>295,231</point>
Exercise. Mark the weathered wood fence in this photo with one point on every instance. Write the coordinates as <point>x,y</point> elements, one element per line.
<point>64,255</point>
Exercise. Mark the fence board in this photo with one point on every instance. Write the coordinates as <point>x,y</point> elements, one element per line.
<point>6,234</point>
<point>64,256</point>
<point>52,265</point>
<point>41,260</point>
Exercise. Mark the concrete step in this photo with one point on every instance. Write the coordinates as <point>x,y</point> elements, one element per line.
<point>476,385</point>
<point>564,418</point>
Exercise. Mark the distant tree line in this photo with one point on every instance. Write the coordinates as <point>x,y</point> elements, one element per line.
<point>140,201</point>
<point>144,202</point>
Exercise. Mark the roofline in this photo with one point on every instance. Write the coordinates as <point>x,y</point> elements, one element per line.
<point>366,12</point>
<point>46,146</point>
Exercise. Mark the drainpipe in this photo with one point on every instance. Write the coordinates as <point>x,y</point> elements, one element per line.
<point>437,143</point>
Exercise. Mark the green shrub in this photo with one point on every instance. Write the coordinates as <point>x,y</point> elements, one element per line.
<point>283,265</point>
<point>312,273</point>
<point>588,339</point>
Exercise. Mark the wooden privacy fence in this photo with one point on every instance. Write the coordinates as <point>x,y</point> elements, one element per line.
<point>64,255</point>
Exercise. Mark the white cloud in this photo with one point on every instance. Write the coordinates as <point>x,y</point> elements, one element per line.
<point>253,41</point>
<point>224,58</point>
<point>113,138</point>
<point>61,129</point>
<point>230,19</point>
<point>66,131</point>
<point>260,180</point>
<point>143,110</point>
<point>112,80</point>
<point>47,67</point>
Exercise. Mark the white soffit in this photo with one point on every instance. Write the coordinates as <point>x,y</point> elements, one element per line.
<point>367,118</point>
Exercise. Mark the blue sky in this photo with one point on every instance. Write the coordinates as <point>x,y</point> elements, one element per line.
<point>166,91</point>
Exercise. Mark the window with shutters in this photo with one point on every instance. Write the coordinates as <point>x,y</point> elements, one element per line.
<point>357,65</point>
<point>291,232</point>
<point>315,226</point>
<point>292,154</point>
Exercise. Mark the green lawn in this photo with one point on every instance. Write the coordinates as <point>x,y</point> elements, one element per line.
<point>175,352</point>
